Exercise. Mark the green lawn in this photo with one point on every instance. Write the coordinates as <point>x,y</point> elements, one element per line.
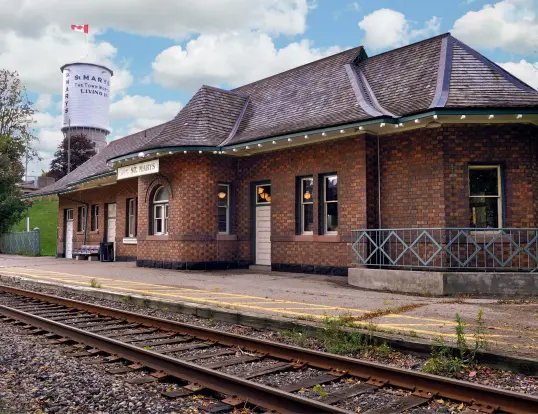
<point>43,214</point>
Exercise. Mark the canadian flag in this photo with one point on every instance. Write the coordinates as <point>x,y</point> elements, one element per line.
<point>80,28</point>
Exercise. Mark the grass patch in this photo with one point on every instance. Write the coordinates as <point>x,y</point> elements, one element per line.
<point>43,214</point>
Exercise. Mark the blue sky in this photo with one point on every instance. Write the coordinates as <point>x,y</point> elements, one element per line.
<point>162,52</point>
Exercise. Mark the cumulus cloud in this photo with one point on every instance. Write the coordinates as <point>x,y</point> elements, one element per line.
<point>43,102</point>
<point>509,24</point>
<point>230,59</point>
<point>168,18</point>
<point>526,71</point>
<point>386,28</point>
<point>143,111</point>
<point>38,60</point>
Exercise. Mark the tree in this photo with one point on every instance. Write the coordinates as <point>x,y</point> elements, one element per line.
<point>16,142</point>
<point>82,149</point>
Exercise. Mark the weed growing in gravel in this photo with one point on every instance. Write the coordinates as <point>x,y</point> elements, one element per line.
<point>383,350</point>
<point>468,353</point>
<point>127,298</point>
<point>319,390</point>
<point>337,340</point>
<point>297,337</point>
<point>95,284</point>
<point>413,334</point>
<point>441,361</point>
<point>212,322</point>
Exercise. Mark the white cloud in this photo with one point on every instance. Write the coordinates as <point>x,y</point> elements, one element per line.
<point>523,70</point>
<point>143,111</point>
<point>386,28</point>
<point>43,102</point>
<point>168,18</point>
<point>509,24</point>
<point>230,59</point>
<point>38,60</point>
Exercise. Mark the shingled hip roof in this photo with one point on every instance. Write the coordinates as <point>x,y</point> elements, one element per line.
<point>345,88</point>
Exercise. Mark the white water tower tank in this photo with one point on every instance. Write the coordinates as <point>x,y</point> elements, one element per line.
<point>86,101</point>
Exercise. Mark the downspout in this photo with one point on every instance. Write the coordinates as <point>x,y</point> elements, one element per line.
<point>86,218</point>
<point>378,186</point>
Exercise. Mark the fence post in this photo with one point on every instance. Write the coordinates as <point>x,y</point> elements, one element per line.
<point>38,244</point>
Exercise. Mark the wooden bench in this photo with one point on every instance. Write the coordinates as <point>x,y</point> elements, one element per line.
<point>89,252</point>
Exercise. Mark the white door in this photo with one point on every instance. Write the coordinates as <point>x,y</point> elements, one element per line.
<point>69,234</point>
<point>263,235</point>
<point>111,225</point>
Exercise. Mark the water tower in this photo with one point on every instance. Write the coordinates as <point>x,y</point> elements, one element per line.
<point>86,101</point>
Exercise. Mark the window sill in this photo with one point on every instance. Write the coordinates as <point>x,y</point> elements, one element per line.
<point>222,236</point>
<point>94,231</point>
<point>322,238</point>
<point>155,237</point>
<point>130,240</point>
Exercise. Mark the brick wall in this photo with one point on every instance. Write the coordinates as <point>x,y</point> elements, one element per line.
<point>423,177</point>
<point>346,157</point>
<point>117,193</point>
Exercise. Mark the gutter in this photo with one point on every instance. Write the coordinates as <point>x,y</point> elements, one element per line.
<point>387,120</point>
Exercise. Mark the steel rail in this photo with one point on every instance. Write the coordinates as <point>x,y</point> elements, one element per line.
<point>249,391</point>
<point>457,390</point>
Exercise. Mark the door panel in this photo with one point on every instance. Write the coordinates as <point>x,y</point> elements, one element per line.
<point>69,239</point>
<point>263,235</point>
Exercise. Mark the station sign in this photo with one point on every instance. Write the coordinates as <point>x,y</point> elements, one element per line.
<point>144,168</point>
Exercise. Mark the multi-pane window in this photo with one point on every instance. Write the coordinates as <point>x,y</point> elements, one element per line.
<point>81,219</point>
<point>223,218</point>
<point>131,218</point>
<point>69,214</point>
<point>94,222</point>
<point>330,204</point>
<point>263,194</point>
<point>485,196</point>
<point>307,205</point>
<point>160,211</point>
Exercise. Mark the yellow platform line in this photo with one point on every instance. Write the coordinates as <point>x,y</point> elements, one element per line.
<point>99,278</point>
<point>246,306</point>
<point>285,311</point>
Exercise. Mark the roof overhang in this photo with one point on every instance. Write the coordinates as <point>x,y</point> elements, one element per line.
<point>378,126</point>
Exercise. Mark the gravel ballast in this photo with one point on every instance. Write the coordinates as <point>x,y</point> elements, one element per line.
<point>35,378</point>
<point>474,373</point>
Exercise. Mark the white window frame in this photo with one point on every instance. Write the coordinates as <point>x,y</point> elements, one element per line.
<point>69,214</point>
<point>163,204</point>
<point>262,203</point>
<point>500,190</point>
<point>325,202</point>
<point>131,217</point>
<point>305,203</point>
<point>227,207</point>
<point>82,219</point>
<point>94,217</point>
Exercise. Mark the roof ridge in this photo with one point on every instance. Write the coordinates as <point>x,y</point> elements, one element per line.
<point>429,39</point>
<point>357,48</point>
<point>444,73</point>
<point>223,90</point>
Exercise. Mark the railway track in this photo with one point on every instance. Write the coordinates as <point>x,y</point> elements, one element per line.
<point>209,359</point>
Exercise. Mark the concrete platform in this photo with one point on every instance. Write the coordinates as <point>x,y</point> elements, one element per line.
<point>445,283</point>
<point>511,326</point>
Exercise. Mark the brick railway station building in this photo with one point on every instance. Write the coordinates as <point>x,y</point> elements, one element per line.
<point>300,170</point>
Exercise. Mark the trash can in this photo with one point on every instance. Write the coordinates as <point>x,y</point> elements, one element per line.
<point>106,252</point>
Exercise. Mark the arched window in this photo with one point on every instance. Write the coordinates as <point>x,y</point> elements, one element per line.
<point>160,211</point>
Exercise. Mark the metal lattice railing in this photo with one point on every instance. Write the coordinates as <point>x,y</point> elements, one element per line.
<point>448,248</point>
<point>21,242</point>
